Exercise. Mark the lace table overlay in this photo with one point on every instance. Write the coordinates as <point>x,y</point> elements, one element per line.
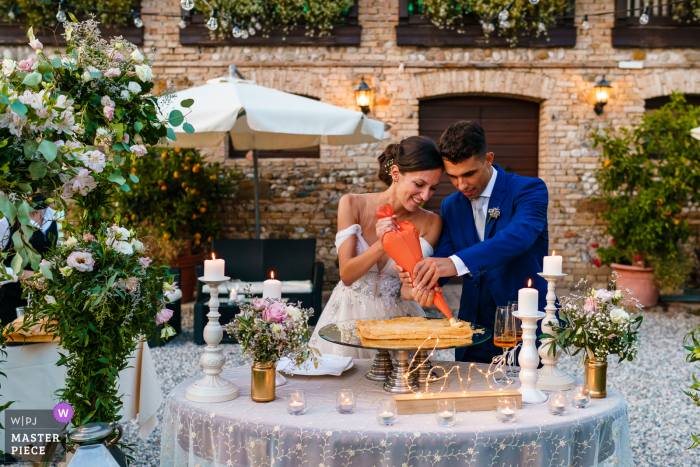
<point>245,433</point>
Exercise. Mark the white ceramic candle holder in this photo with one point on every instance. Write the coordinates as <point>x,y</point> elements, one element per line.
<point>551,378</point>
<point>212,388</point>
<point>529,360</point>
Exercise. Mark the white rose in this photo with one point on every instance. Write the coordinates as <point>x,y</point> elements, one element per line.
<point>293,312</point>
<point>618,294</point>
<point>144,72</point>
<point>71,242</point>
<point>137,56</point>
<point>124,248</point>
<point>8,66</point>
<point>618,315</point>
<point>120,233</point>
<point>50,300</point>
<point>134,87</point>
<point>167,287</point>
<point>86,76</point>
<point>102,131</point>
<point>126,95</point>
<point>138,246</point>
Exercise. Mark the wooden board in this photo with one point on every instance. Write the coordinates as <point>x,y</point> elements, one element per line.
<point>471,401</point>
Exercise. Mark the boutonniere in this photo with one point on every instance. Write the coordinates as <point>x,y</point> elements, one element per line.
<point>494,213</point>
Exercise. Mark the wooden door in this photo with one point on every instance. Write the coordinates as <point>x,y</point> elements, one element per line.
<point>511,125</point>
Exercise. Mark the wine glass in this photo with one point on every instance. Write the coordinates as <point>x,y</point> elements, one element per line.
<point>518,335</point>
<point>504,333</point>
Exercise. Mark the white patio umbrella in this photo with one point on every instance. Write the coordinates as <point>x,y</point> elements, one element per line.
<point>262,118</point>
<point>695,133</point>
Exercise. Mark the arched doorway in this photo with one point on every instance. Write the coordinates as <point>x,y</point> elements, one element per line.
<point>511,125</point>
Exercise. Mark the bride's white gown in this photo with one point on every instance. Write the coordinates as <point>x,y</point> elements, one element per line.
<point>376,294</point>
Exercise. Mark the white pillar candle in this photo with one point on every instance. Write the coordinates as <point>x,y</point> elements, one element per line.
<point>552,264</point>
<point>527,300</point>
<point>272,288</point>
<point>214,268</point>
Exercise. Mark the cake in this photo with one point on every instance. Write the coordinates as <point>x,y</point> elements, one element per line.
<point>35,333</point>
<point>412,328</point>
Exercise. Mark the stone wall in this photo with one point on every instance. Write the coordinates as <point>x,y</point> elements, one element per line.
<point>303,194</point>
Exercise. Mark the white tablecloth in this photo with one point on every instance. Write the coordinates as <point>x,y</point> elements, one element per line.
<point>245,433</point>
<point>33,377</point>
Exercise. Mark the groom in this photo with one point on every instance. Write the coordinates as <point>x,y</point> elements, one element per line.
<point>494,235</point>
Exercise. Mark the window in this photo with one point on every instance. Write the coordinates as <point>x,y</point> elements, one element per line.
<point>417,30</point>
<point>661,31</point>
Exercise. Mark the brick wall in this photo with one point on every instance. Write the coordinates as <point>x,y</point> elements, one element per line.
<point>301,196</point>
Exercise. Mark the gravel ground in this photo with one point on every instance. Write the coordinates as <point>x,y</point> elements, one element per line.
<point>660,415</point>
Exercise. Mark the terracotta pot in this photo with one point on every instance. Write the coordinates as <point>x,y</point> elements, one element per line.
<point>640,281</point>
<point>188,278</point>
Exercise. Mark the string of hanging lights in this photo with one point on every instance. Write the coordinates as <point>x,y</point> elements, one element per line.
<point>240,30</point>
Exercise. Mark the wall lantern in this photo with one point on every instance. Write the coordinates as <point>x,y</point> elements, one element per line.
<point>363,96</point>
<point>602,94</point>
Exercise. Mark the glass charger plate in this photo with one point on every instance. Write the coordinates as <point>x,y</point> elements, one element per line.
<point>345,333</point>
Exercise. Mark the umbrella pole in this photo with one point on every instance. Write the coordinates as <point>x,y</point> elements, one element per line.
<point>257,194</point>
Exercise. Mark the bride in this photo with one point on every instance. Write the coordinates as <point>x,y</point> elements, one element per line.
<point>369,285</point>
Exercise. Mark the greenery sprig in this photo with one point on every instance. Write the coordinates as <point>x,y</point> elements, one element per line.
<point>33,13</point>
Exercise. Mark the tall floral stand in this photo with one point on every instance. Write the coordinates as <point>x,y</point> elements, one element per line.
<point>551,378</point>
<point>212,388</point>
<point>529,360</point>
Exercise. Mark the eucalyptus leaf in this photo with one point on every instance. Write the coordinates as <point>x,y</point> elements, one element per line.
<point>176,118</point>
<point>56,62</point>
<point>171,134</point>
<point>16,264</point>
<point>138,126</point>
<point>19,108</point>
<point>134,178</point>
<point>48,149</point>
<point>4,99</point>
<point>188,128</point>
<point>23,213</point>
<point>126,188</point>
<point>32,79</point>
<point>37,170</point>
<point>187,103</point>
<point>46,272</point>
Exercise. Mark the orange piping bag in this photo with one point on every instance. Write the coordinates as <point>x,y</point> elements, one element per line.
<point>403,246</point>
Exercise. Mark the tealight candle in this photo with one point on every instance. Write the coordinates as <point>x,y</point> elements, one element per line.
<point>272,288</point>
<point>214,269</point>
<point>558,403</point>
<point>552,264</point>
<point>527,300</point>
<point>581,396</point>
<point>505,410</point>
<point>446,413</point>
<point>296,402</point>
<point>346,401</point>
<point>387,412</point>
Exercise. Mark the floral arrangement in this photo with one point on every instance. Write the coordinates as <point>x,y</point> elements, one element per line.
<point>522,15</point>
<point>269,329</point>
<point>177,195</point>
<point>100,294</point>
<point>319,16</point>
<point>693,391</point>
<point>598,323</point>
<point>53,113</point>
<point>648,174</point>
<point>31,12</point>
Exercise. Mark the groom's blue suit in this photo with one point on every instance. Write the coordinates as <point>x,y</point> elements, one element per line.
<point>512,252</point>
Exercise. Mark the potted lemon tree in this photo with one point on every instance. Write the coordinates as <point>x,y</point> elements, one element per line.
<point>178,200</point>
<point>648,174</point>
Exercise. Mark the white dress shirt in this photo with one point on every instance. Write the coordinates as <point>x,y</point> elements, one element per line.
<point>48,216</point>
<point>459,264</point>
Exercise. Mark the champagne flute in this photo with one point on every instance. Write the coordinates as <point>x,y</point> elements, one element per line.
<point>518,334</point>
<point>504,333</point>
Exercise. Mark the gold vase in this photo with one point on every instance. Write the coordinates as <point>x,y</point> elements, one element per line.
<point>596,377</point>
<point>262,382</point>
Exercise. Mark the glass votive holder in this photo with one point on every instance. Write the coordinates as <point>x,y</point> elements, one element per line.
<point>506,409</point>
<point>581,396</point>
<point>558,403</point>
<point>296,402</point>
<point>446,413</point>
<point>346,401</point>
<point>387,413</point>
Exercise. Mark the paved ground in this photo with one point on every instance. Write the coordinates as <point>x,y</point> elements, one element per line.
<point>660,415</point>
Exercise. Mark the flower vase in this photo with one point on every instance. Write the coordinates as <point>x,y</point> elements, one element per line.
<point>262,382</point>
<point>596,377</point>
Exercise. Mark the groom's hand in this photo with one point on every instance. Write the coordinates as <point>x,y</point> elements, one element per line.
<point>428,271</point>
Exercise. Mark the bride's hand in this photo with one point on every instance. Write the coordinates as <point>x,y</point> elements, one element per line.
<point>385,225</point>
<point>423,297</point>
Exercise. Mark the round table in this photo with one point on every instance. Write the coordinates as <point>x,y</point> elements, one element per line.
<point>245,433</point>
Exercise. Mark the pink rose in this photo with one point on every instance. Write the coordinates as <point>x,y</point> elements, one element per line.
<point>125,138</point>
<point>275,313</point>
<point>144,262</point>
<point>259,304</point>
<point>589,307</point>
<point>113,72</point>
<point>106,101</point>
<point>164,316</point>
<point>109,113</point>
<point>36,45</point>
<point>88,238</point>
<point>81,261</point>
<point>117,56</point>
<point>25,66</point>
<point>138,150</point>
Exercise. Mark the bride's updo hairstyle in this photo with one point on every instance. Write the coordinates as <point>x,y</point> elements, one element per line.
<point>413,154</point>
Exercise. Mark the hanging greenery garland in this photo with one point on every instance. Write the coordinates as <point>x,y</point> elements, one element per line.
<point>262,16</point>
<point>522,16</point>
<point>33,13</point>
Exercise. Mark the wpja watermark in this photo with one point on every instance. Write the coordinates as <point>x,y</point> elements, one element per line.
<point>32,434</point>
